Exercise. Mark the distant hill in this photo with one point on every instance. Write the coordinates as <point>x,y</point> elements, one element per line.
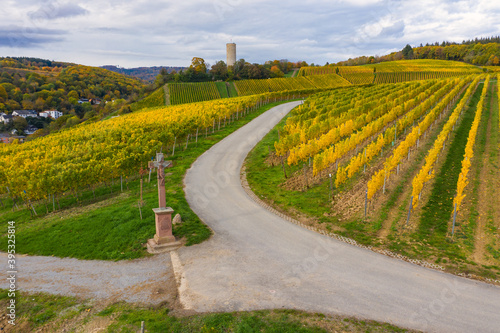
<point>479,52</point>
<point>147,74</point>
<point>38,84</point>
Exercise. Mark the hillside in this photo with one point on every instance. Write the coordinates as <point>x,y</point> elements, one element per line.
<point>146,74</point>
<point>45,85</point>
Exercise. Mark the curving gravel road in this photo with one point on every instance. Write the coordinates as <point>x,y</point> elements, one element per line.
<point>256,260</point>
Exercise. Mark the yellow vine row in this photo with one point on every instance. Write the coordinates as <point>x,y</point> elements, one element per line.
<point>469,148</point>
<point>426,173</point>
<point>377,180</point>
<point>337,151</point>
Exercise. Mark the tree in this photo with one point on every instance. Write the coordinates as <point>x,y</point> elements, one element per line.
<point>276,71</point>
<point>3,93</point>
<point>20,124</point>
<point>198,65</point>
<point>407,52</point>
<point>219,71</point>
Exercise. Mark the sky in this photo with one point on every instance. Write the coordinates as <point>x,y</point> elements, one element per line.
<point>170,33</point>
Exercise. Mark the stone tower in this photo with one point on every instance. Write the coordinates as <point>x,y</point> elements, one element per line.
<point>231,54</point>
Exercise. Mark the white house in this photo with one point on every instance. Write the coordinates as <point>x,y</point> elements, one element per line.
<point>25,113</point>
<point>5,118</point>
<point>51,113</point>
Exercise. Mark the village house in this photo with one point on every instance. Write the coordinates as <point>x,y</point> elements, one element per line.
<point>25,113</point>
<point>54,114</point>
<point>5,118</point>
<point>30,129</point>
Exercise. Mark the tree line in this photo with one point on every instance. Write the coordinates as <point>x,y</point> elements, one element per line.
<point>481,52</point>
<point>199,71</point>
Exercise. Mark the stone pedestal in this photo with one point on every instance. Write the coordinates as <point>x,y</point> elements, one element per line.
<point>163,240</point>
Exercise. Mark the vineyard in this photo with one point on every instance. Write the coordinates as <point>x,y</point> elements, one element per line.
<point>251,87</point>
<point>181,93</point>
<point>155,99</point>
<point>92,154</point>
<point>310,78</point>
<point>374,161</point>
<point>395,71</point>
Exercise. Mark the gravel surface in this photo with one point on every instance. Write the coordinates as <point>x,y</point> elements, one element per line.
<point>148,280</point>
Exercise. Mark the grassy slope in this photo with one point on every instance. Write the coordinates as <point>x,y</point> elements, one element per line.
<point>221,87</point>
<point>109,227</point>
<point>433,227</point>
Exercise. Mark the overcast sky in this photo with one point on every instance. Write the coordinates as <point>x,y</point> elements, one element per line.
<point>170,33</point>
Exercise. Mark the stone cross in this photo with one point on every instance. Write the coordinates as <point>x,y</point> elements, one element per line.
<point>163,240</point>
<point>161,164</point>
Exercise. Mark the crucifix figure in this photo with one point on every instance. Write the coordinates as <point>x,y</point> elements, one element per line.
<point>161,164</point>
<point>163,240</point>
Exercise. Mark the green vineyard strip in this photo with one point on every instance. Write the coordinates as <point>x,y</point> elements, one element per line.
<point>436,213</point>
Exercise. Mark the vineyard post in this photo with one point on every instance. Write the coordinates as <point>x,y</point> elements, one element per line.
<point>32,207</point>
<point>330,192</point>
<point>121,183</point>
<point>219,124</point>
<point>141,191</point>
<point>409,210</point>
<point>149,179</point>
<point>8,190</point>
<point>173,148</point>
<point>366,201</point>
<point>197,134</point>
<point>383,188</point>
<point>139,205</point>
<point>14,203</point>
<point>53,203</point>
<point>187,141</point>
<point>454,219</point>
<point>213,127</point>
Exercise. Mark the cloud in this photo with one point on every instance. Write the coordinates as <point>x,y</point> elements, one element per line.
<point>22,37</point>
<point>394,30</point>
<point>168,32</point>
<point>55,10</point>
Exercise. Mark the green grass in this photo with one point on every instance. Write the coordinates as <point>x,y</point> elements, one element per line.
<point>112,228</point>
<point>40,308</point>
<point>232,89</point>
<point>50,313</point>
<point>221,87</point>
<point>437,212</point>
<point>155,99</point>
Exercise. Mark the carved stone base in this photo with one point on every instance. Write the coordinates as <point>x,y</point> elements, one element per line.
<point>163,240</point>
<point>154,248</point>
